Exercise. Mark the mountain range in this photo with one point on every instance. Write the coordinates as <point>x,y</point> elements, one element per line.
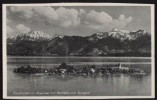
<point>113,43</point>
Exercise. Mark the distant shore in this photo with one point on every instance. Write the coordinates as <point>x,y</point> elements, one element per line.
<point>77,56</point>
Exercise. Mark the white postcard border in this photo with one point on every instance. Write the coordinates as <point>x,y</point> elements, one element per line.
<point>78,97</point>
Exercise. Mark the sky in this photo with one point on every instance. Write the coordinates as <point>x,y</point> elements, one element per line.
<point>76,20</point>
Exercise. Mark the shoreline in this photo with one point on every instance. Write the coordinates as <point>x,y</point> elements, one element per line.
<point>77,57</point>
<point>94,63</point>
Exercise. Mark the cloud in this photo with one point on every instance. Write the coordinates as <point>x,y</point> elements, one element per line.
<point>123,18</point>
<point>19,29</point>
<point>69,17</point>
<point>82,12</point>
<point>94,17</point>
<point>121,22</point>
<point>25,12</point>
<point>62,16</point>
<point>103,21</point>
<point>22,28</point>
<point>8,21</point>
<point>9,30</point>
<point>46,12</point>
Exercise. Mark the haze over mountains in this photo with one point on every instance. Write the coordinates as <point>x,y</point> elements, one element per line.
<point>113,43</point>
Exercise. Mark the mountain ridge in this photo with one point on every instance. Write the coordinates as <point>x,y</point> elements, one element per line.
<point>115,42</point>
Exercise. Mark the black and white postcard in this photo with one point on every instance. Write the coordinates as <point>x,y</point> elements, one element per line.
<point>78,51</point>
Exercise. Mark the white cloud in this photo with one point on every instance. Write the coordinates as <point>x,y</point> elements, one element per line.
<point>8,21</point>
<point>19,29</point>
<point>103,21</point>
<point>94,17</point>
<point>121,22</point>
<point>47,12</point>
<point>82,12</point>
<point>23,11</point>
<point>69,17</point>
<point>121,17</point>
<point>9,30</point>
<point>62,16</point>
<point>22,28</point>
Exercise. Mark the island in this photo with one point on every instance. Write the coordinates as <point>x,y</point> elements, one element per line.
<point>65,69</point>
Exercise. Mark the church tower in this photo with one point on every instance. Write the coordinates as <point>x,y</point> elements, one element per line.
<point>120,66</point>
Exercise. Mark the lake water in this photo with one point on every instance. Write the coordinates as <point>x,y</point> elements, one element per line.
<point>115,85</point>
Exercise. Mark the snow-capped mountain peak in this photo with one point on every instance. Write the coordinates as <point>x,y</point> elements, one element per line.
<point>115,30</point>
<point>120,34</point>
<point>35,35</point>
<point>13,37</point>
<point>101,35</point>
<point>125,31</point>
<point>38,34</point>
<point>57,35</point>
<point>119,30</point>
<point>141,32</point>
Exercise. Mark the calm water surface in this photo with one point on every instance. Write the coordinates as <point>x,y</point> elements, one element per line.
<point>116,85</point>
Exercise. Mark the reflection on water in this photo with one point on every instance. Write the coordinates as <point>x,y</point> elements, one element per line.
<point>75,60</point>
<point>115,85</point>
